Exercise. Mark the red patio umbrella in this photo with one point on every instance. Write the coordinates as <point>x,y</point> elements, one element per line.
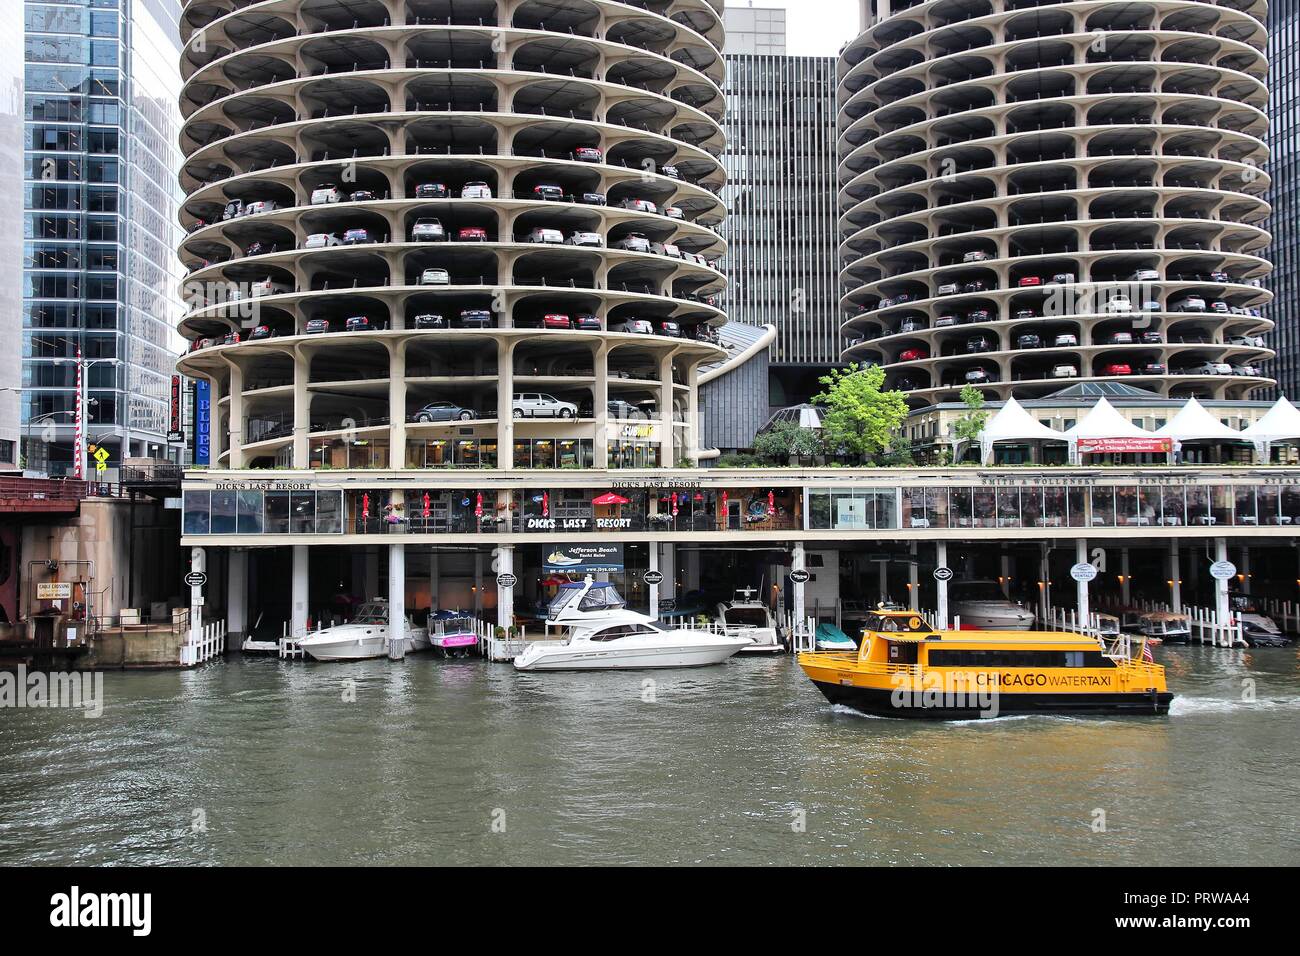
<point>425,511</point>
<point>478,505</point>
<point>771,503</point>
<point>609,498</point>
<point>546,504</point>
<point>365,507</point>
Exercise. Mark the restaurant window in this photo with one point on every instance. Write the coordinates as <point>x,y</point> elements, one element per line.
<point>302,512</point>
<point>277,512</point>
<point>1244,508</point>
<point>223,512</point>
<point>248,513</point>
<point>197,516</point>
<point>1103,507</point>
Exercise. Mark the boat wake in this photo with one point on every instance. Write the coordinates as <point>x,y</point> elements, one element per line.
<point>1183,706</point>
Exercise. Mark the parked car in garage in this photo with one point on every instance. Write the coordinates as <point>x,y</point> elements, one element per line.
<point>361,323</point>
<point>1249,341</point>
<point>541,405</point>
<point>975,256</point>
<point>1117,303</point>
<point>581,238</point>
<point>617,408</point>
<point>354,237</point>
<point>442,412</point>
<point>1117,368</point>
<point>1064,371</point>
<point>476,190</point>
<point>975,285</point>
<point>321,240</point>
<point>670,171</point>
<point>428,230</point>
<point>544,234</point>
<point>665,249</point>
<point>1029,341</point>
<point>1026,282</point>
<point>261,332</point>
<point>978,376</point>
<point>592,199</point>
<point>1120,338</point>
<point>269,287</point>
<point>362,195</point>
<point>978,343</point>
<point>471,234</point>
<point>548,191</point>
<point>633,242</point>
<point>639,205</point>
<point>1065,340</point>
<point>1191,303</point>
<point>588,154</point>
<point>1144,275</point>
<point>435,277</point>
<point>1063,278</point>
<point>944,321</point>
<point>432,191</point>
<point>674,212</point>
<point>1209,368</point>
<point>1152,368</point>
<point>586,322</point>
<point>912,355</point>
<point>979,315</point>
<point>325,194</point>
<point>670,329</point>
<point>1150,337</point>
<point>947,288</point>
<point>475,319</point>
<point>317,326</point>
<point>429,320</point>
<point>638,326</point>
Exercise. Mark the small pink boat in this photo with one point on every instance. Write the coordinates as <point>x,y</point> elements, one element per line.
<point>452,634</point>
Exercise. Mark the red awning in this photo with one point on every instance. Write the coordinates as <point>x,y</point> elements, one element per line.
<point>609,498</point>
<point>1101,446</point>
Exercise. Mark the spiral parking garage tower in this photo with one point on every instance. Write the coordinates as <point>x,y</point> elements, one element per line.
<point>1037,192</point>
<point>338,333</point>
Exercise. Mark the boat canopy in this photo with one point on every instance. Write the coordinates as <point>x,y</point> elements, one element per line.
<point>595,596</point>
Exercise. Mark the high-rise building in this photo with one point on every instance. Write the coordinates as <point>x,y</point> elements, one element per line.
<point>12,194</point>
<point>100,274</point>
<point>1284,193</point>
<point>1037,194</point>
<point>781,200</point>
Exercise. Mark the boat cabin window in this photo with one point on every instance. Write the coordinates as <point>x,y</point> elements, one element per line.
<point>747,616</point>
<point>601,597</point>
<point>912,624</point>
<point>622,630</point>
<point>902,653</point>
<point>371,614</point>
<point>939,657</point>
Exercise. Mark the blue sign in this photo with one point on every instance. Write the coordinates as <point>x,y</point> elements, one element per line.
<point>202,422</point>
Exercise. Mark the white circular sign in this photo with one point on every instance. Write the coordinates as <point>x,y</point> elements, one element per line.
<point>943,574</point>
<point>506,580</point>
<point>1083,571</point>
<point>1222,570</point>
<point>652,577</point>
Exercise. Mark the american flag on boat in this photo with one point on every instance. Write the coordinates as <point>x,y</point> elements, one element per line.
<point>1146,653</point>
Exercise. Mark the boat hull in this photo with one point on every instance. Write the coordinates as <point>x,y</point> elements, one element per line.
<point>585,659</point>
<point>764,640</point>
<point>882,702</point>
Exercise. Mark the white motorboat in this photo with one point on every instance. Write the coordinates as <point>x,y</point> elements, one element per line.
<point>746,616</point>
<point>983,606</point>
<point>452,634</point>
<point>602,634</point>
<point>362,638</point>
<point>1166,627</point>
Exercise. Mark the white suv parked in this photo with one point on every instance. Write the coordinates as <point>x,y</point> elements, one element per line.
<point>542,234</point>
<point>321,240</point>
<point>329,193</point>
<point>541,405</point>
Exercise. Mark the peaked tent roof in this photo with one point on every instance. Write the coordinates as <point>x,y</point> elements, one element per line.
<point>1279,423</point>
<point>1103,421</point>
<point>1194,423</point>
<point>1013,422</point>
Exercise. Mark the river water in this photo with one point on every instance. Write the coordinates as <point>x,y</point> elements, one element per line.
<point>257,761</point>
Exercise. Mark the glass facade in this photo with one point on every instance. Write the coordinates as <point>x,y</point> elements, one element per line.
<point>100,275</point>
<point>1284,171</point>
<point>781,187</point>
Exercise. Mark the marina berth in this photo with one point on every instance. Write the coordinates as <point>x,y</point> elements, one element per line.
<point>905,668</point>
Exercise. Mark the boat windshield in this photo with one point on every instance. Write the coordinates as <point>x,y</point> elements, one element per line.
<point>746,616</point>
<point>371,613</point>
<point>601,597</point>
<point>911,623</point>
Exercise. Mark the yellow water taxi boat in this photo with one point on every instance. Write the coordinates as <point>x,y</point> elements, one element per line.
<point>905,668</point>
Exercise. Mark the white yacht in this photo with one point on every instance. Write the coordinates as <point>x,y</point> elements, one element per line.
<point>602,634</point>
<point>746,616</point>
<point>983,606</point>
<point>364,637</point>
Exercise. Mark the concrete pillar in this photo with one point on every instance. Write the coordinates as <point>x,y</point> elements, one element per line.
<point>505,564</point>
<point>199,564</point>
<point>1244,570</point>
<point>1221,611</point>
<point>1175,575</point>
<point>505,399</point>
<point>667,448</point>
<point>1081,587</point>
<point>397,405</point>
<point>600,407</point>
<point>797,564</point>
<point>1125,580</point>
<point>236,595</point>
<point>235,417</point>
<point>298,593</point>
<point>913,585</point>
<point>941,587</point>
<point>652,550</point>
<point>668,565</point>
<point>301,411</point>
<point>692,450</point>
<point>396,601</point>
<point>1005,574</point>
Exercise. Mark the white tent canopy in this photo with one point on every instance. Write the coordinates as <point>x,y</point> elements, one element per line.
<point>1279,423</point>
<point>1194,423</point>
<point>1104,421</point>
<point>1013,423</point>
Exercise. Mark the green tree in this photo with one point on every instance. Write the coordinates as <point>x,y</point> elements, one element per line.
<point>784,439</point>
<point>973,420</point>
<point>861,418</point>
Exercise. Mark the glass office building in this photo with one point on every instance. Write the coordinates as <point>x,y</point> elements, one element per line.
<point>1284,170</point>
<point>100,275</point>
<point>781,191</point>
